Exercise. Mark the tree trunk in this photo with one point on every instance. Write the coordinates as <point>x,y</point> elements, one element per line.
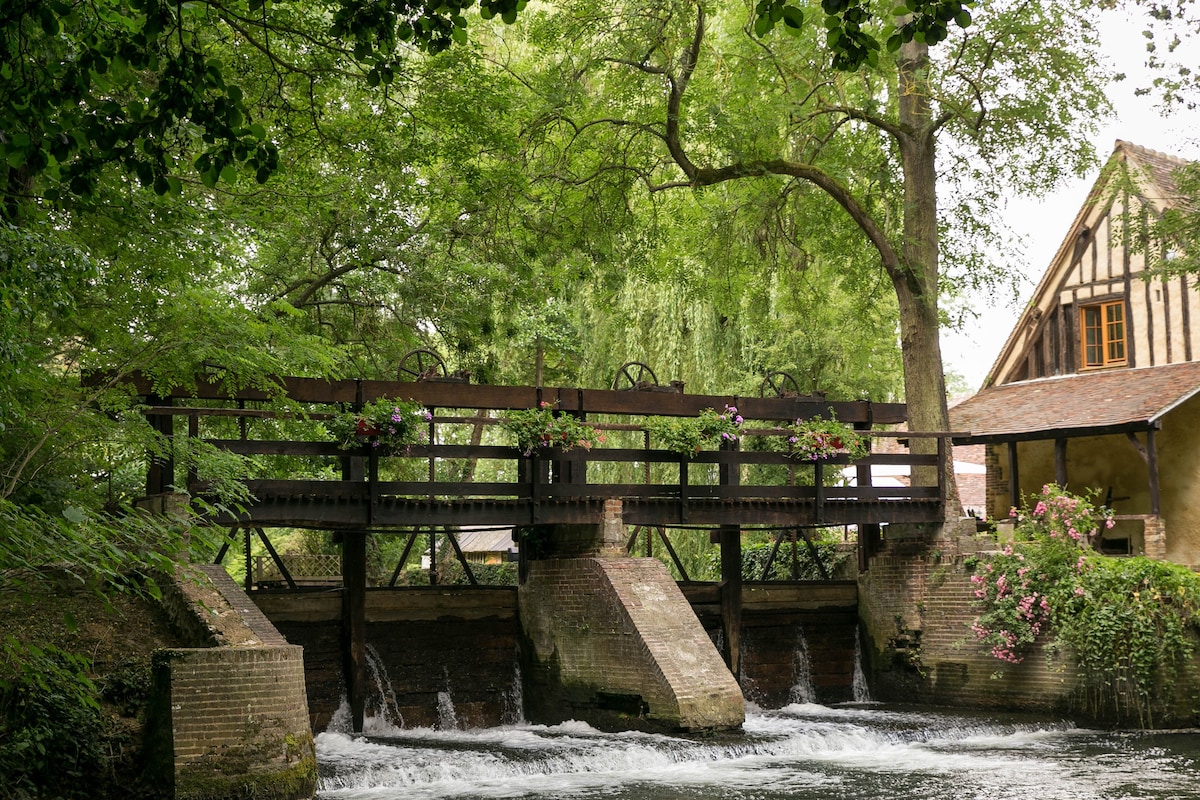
<point>916,280</point>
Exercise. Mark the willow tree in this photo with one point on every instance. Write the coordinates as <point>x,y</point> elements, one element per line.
<point>688,96</point>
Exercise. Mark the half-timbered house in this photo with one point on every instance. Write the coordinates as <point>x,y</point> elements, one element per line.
<point>1096,387</point>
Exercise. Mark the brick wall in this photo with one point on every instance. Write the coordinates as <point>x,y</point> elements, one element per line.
<point>915,605</point>
<point>229,721</point>
<point>612,641</point>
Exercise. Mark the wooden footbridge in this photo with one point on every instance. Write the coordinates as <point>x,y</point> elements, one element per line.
<point>309,481</point>
<point>466,473</point>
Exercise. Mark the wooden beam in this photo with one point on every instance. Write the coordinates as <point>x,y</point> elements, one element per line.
<point>1060,462</point>
<point>283,570</point>
<point>731,576</point>
<point>1152,465</point>
<point>1137,445</point>
<point>1051,433</point>
<point>354,623</point>
<point>731,598</point>
<point>477,396</point>
<point>1014,482</point>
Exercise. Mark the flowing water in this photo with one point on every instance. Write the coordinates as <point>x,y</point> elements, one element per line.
<point>803,751</point>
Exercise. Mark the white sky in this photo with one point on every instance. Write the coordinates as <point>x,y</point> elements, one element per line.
<point>1043,223</point>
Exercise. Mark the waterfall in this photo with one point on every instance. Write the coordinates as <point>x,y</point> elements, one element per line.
<point>862,692</point>
<point>514,698</point>
<point>384,701</point>
<point>802,685</point>
<point>447,716</point>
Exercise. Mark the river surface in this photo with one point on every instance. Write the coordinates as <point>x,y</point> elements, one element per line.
<point>859,751</point>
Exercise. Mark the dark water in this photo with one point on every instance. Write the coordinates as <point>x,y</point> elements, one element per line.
<point>803,751</point>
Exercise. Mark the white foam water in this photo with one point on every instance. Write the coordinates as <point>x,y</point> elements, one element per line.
<point>804,751</point>
<point>802,683</point>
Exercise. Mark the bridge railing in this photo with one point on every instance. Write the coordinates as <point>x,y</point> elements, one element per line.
<point>463,463</point>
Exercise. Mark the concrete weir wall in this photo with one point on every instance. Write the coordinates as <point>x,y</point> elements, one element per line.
<point>463,641</point>
<point>612,641</point>
<point>229,717</point>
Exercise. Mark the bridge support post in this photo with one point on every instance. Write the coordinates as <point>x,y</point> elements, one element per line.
<point>354,622</point>
<point>730,539</point>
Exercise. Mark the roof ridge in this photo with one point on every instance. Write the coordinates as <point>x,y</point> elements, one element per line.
<point>1125,144</point>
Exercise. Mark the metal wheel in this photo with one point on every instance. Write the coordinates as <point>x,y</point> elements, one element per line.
<point>779,384</point>
<point>634,375</point>
<point>420,364</point>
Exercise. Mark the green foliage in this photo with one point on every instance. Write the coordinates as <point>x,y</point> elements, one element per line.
<point>389,426</point>
<point>849,23</point>
<point>451,573</point>
<point>756,555</point>
<point>50,723</point>
<point>96,550</point>
<point>1128,623</point>
<point>689,435</point>
<point>544,427</point>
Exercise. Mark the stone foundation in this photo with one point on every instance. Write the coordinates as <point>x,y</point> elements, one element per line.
<point>229,718</point>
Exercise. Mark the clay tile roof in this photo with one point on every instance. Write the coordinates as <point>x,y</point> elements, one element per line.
<point>1160,168</point>
<point>1092,401</point>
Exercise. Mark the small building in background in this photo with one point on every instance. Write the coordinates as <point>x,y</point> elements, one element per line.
<point>1096,386</point>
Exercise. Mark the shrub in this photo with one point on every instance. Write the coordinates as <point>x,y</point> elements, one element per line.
<point>1125,621</point>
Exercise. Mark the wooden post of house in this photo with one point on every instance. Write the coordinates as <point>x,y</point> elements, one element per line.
<point>1152,469</point>
<point>730,538</point>
<point>1014,481</point>
<point>354,622</point>
<point>1060,463</point>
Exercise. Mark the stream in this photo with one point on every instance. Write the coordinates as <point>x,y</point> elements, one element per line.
<point>859,750</point>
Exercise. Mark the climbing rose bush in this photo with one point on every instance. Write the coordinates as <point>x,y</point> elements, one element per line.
<point>1016,589</point>
<point>1128,623</point>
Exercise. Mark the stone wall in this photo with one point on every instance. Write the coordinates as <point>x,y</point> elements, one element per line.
<point>228,720</point>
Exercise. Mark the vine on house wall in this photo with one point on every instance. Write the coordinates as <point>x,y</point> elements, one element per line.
<point>1127,622</point>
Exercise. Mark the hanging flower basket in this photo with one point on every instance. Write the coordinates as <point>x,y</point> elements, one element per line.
<point>536,428</point>
<point>689,435</point>
<point>819,439</point>
<point>386,426</point>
